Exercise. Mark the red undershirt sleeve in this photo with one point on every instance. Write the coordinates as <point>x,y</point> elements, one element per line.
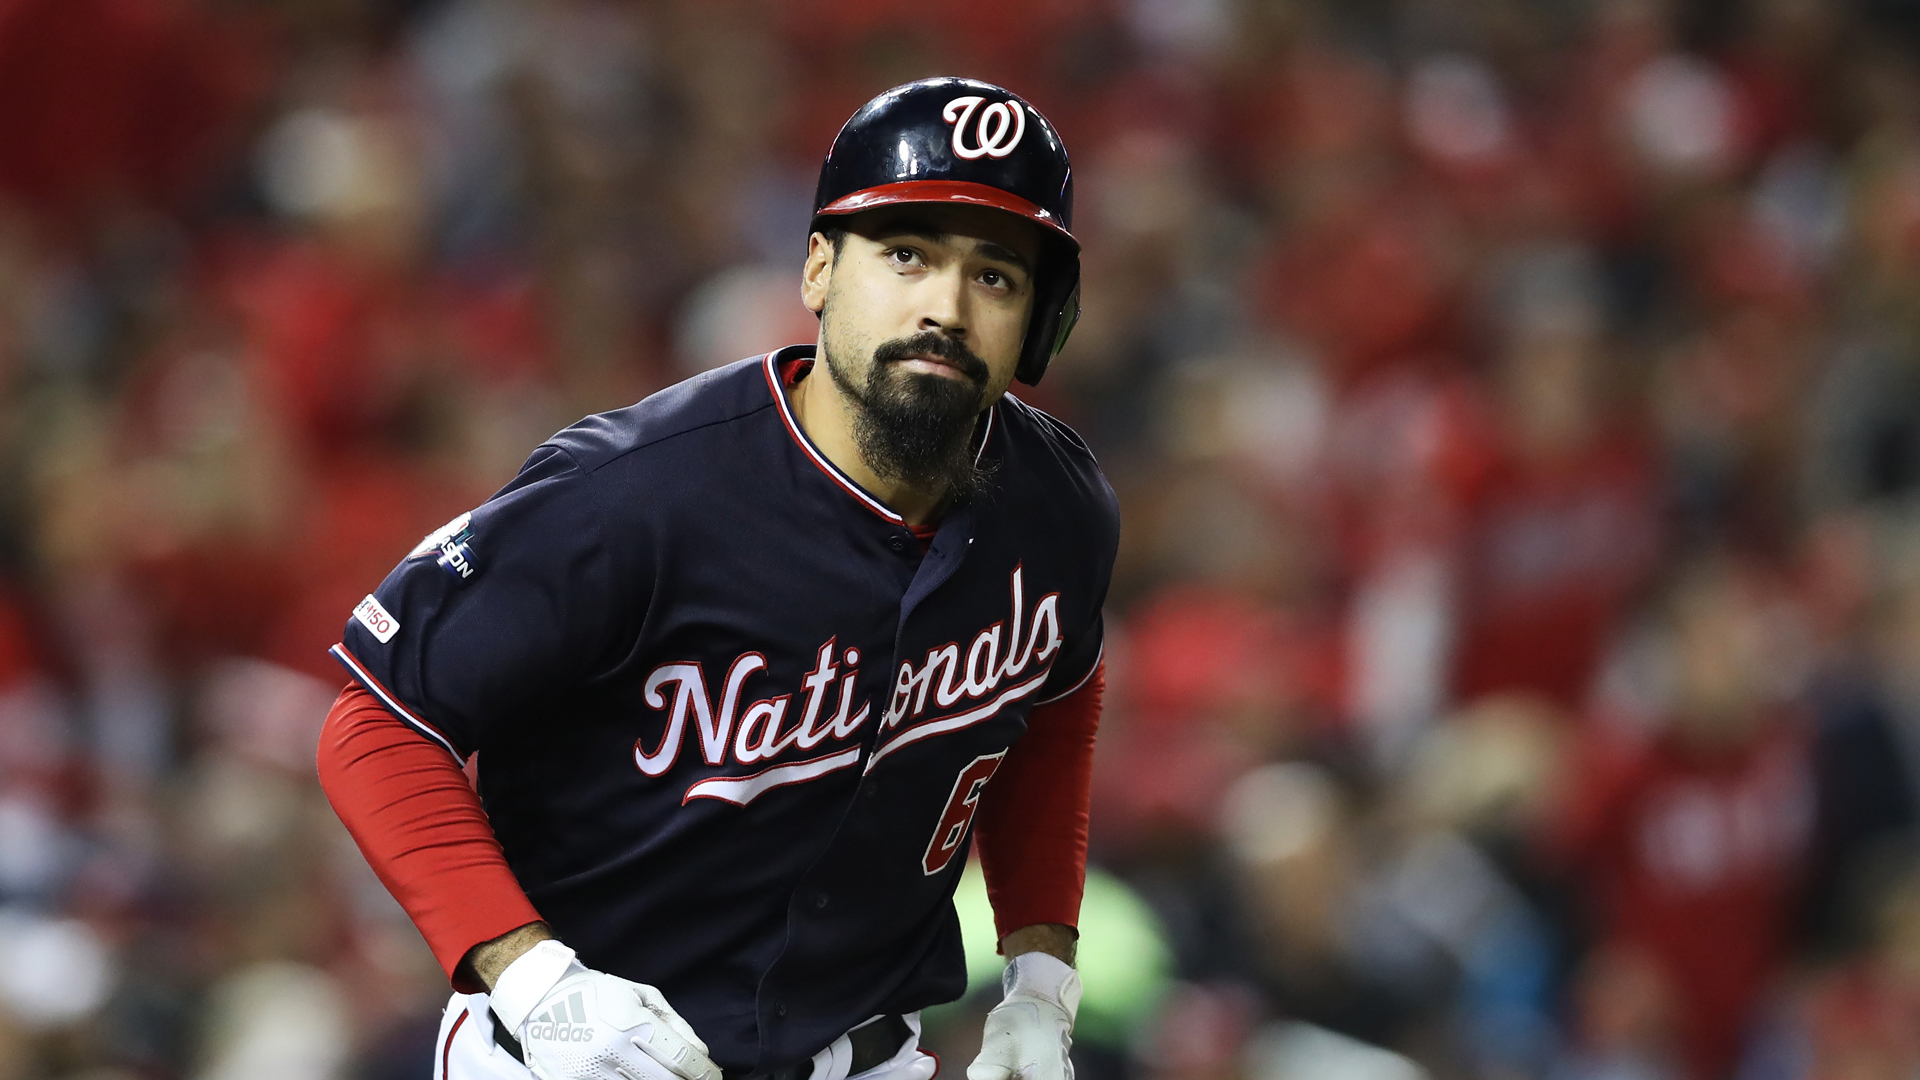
<point>1032,832</point>
<point>420,825</point>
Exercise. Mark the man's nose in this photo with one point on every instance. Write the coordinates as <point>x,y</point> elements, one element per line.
<point>944,304</point>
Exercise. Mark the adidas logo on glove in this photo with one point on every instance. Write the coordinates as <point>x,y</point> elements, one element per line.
<point>579,1024</point>
<point>560,1025</point>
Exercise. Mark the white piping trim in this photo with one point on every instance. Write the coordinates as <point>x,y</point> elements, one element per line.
<point>960,720</point>
<point>741,790</point>
<point>987,434</point>
<point>793,427</point>
<point>1097,657</point>
<point>392,703</point>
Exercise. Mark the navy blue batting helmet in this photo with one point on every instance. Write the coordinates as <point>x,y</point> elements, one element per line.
<point>964,141</point>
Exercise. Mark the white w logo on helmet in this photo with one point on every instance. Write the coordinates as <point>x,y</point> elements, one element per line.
<point>1001,126</point>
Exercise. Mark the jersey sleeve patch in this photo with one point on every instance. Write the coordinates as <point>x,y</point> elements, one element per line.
<point>452,546</point>
<point>376,619</point>
<point>471,643</point>
<point>433,540</point>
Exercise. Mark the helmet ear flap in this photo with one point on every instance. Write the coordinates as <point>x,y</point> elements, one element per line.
<point>1052,323</point>
<point>1068,318</point>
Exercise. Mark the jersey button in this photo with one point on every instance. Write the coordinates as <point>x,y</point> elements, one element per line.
<point>896,543</point>
<point>780,1010</point>
<point>820,902</point>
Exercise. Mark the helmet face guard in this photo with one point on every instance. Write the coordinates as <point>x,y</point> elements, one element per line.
<point>972,143</point>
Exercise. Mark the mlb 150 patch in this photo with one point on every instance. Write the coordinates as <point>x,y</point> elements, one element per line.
<point>377,620</point>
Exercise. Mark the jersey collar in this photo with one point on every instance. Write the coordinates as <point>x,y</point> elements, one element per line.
<point>770,364</point>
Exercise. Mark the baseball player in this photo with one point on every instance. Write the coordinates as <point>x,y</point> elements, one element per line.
<point>744,668</point>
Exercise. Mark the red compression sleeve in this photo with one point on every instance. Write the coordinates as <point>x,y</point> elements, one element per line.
<point>1032,832</point>
<point>419,823</point>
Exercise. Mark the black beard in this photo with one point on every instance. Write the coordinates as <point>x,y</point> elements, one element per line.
<point>918,429</point>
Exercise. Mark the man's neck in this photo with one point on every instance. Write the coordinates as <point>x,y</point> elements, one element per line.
<point>826,414</point>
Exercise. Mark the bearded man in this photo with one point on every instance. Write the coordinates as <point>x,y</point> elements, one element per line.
<point>743,669</point>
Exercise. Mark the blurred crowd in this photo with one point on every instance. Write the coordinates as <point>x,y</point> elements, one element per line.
<point>1514,659</point>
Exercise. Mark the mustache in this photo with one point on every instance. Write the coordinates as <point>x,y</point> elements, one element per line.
<point>937,345</point>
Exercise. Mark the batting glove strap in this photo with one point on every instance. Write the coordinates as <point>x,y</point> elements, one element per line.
<point>1044,979</point>
<point>527,980</point>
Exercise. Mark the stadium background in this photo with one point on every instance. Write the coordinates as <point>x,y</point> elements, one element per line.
<point>1515,651</point>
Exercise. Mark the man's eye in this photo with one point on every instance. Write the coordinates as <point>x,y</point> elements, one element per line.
<point>904,256</point>
<point>994,279</point>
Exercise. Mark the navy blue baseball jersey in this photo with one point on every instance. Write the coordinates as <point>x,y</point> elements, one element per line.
<point>724,704</point>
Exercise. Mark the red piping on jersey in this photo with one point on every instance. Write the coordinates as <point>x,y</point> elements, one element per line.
<point>777,380</point>
<point>944,191</point>
<point>819,459</point>
<point>360,673</point>
<point>1098,658</point>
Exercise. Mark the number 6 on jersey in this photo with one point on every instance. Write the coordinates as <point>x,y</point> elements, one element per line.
<point>961,806</point>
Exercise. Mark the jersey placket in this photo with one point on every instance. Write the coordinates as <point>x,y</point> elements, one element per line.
<point>812,898</point>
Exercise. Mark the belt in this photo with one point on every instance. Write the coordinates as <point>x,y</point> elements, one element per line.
<point>873,1043</point>
<point>876,1041</point>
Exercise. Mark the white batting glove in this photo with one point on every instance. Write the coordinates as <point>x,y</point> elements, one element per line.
<point>1030,1032</point>
<point>574,1023</point>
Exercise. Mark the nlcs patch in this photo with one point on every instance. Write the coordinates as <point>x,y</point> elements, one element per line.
<point>456,555</point>
<point>453,543</point>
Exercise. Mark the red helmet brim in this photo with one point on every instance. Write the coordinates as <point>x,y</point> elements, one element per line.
<point>945,191</point>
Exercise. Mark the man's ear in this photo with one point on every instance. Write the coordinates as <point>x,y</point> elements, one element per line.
<point>817,273</point>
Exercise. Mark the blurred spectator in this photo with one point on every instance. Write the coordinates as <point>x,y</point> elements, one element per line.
<point>1565,526</point>
<point>1861,1019</point>
<point>1623,1020</point>
<point>1693,843</point>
